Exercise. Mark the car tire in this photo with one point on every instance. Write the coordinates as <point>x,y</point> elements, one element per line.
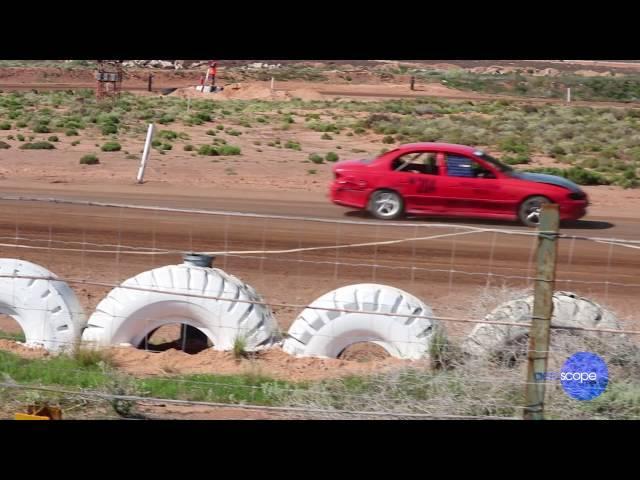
<point>386,205</point>
<point>529,210</point>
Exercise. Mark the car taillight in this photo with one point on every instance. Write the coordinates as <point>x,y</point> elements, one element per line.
<point>577,196</point>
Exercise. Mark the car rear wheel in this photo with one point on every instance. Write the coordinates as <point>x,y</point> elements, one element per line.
<point>529,212</point>
<point>386,205</point>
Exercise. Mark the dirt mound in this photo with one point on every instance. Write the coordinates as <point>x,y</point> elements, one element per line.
<point>22,350</point>
<point>272,362</point>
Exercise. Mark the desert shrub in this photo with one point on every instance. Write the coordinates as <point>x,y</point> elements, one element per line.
<point>519,159</point>
<point>332,157</point>
<point>108,129</point>
<point>71,132</point>
<point>229,150</point>
<point>53,138</point>
<point>89,160</point>
<point>315,158</point>
<point>292,145</point>
<point>38,146</point>
<point>5,126</point>
<point>188,148</point>
<point>4,145</point>
<point>111,147</point>
<point>209,150</point>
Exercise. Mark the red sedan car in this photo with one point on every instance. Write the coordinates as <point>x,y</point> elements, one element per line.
<point>451,180</point>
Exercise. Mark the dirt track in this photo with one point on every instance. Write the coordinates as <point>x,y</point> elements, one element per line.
<point>450,272</point>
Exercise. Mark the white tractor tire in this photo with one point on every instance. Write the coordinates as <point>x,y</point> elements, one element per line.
<point>326,333</point>
<point>48,311</point>
<point>127,315</point>
<point>569,310</point>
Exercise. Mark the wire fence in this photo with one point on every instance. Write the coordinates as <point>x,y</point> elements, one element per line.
<point>461,272</point>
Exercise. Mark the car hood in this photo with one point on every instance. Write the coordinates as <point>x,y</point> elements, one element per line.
<point>550,179</point>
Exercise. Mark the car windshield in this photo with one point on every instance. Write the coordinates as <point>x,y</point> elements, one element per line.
<point>493,161</point>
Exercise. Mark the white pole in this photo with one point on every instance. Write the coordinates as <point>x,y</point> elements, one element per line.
<point>145,153</point>
<point>271,84</point>
<point>568,94</point>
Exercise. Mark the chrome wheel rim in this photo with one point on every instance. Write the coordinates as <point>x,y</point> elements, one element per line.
<point>532,211</point>
<point>386,204</point>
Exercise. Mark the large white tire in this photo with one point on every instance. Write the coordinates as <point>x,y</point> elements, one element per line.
<point>127,315</point>
<point>47,310</point>
<point>326,333</point>
<point>569,310</point>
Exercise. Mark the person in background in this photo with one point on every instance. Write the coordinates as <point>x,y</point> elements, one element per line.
<point>213,70</point>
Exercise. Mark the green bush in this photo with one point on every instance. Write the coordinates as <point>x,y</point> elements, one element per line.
<point>211,132</point>
<point>20,137</point>
<point>388,139</point>
<point>109,129</point>
<point>332,157</point>
<point>168,134</point>
<point>10,137</point>
<point>326,136</point>
<point>519,159</point>
<point>578,175</point>
<point>38,146</point>
<point>71,133</point>
<point>4,145</point>
<point>166,146</point>
<point>514,145</point>
<point>21,124</point>
<point>74,143</point>
<point>209,150</point>
<point>556,151</point>
<point>41,128</point>
<point>292,145</point>
<point>220,127</point>
<point>188,148</point>
<point>5,126</point>
<point>315,158</point>
<point>111,147</point>
<point>53,138</point>
<point>312,171</point>
<point>229,150</point>
<point>89,160</point>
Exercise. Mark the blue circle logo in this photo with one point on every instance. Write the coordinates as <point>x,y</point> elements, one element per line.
<point>584,376</point>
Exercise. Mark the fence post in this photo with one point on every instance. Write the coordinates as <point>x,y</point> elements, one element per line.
<point>145,154</point>
<point>568,94</point>
<point>542,311</point>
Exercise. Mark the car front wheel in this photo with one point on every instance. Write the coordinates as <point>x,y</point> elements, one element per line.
<point>386,205</point>
<point>530,209</point>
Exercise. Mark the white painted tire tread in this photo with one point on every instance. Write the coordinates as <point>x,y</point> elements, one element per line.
<point>48,311</point>
<point>126,315</point>
<point>326,333</point>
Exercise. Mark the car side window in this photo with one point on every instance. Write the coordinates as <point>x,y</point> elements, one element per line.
<point>416,162</point>
<point>461,166</point>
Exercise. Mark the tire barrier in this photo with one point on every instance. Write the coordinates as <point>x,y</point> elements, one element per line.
<point>569,310</point>
<point>127,316</point>
<point>326,333</point>
<point>46,309</point>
